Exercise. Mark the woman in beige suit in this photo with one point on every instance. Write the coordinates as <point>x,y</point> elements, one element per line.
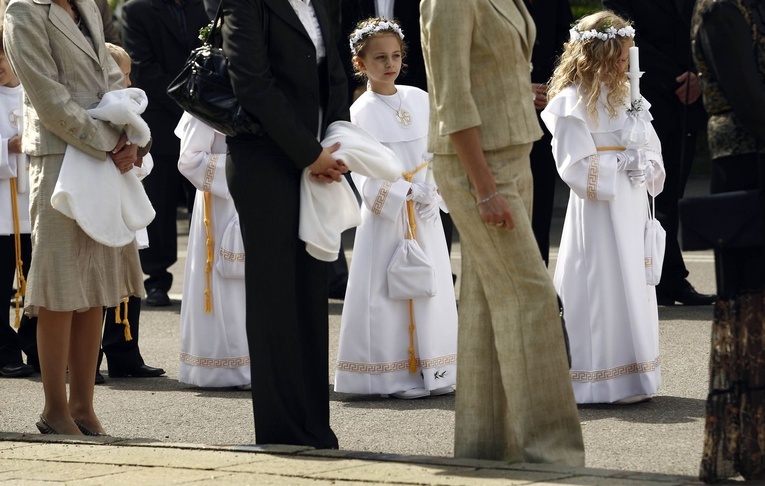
<point>514,399</point>
<point>58,52</point>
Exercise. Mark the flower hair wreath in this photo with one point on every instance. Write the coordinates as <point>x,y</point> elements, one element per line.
<point>374,28</point>
<point>608,33</point>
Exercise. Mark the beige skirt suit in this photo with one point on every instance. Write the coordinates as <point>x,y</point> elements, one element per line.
<point>514,397</point>
<point>65,71</point>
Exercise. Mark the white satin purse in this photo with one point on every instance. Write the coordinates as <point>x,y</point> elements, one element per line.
<point>655,243</point>
<point>410,273</point>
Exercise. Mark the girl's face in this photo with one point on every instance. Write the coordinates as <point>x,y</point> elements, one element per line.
<point>624,57</point>
<point>7,77</point>
<point>381,62</point>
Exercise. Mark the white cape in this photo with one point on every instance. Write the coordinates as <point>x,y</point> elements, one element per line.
<point>86,182</point>
<point>326,210</point>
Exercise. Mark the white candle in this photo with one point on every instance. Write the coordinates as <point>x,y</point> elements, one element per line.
<point>634,63</point>
<point>634,74</point>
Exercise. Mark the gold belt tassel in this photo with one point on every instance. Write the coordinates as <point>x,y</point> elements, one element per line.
<point>21,289</point>
<point>209,243</point>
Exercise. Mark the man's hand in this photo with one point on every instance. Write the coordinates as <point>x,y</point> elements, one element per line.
<point>325,168</point>
<point>540,95</point>
<point>689,89</point>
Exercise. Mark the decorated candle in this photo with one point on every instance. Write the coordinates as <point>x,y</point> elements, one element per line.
<point>634,74</point>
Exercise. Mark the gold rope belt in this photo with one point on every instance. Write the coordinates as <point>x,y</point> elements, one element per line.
<point>413,235</point>
<point>615,148</point>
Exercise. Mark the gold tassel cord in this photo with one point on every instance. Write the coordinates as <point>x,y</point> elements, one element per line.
<point>209,242</point>
<point>125,322</point>
<point>21,289</point>
<point>412,235</point>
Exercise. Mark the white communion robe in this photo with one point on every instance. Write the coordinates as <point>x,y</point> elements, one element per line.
<point>214,351</point>
<point>373,356</point>
<point>610,312</point>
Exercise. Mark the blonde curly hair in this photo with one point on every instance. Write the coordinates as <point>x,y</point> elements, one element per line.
<point>588,63</point>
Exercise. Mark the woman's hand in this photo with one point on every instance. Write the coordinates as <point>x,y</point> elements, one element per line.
<point>325,168</point>
<point>124,154</point>
<point>495,211</point>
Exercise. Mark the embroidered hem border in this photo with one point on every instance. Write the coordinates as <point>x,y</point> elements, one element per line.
<point>619,371</point>
<point>379,368</point>
<point>215,362</point>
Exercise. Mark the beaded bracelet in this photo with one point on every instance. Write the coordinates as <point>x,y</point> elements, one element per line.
<point>487,198</point>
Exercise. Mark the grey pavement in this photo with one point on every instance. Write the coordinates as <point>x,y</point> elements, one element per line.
<point>167,432</point>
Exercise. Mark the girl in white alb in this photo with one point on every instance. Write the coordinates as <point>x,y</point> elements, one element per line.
<point>214,351</point>
<point>378,354</point>
<point>610,311</point>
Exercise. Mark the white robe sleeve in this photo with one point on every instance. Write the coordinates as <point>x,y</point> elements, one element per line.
<point>591,175</point>
<point>8,164</point>
<point>206,170</point>
<point>655,174</point>
<point>385,199</point>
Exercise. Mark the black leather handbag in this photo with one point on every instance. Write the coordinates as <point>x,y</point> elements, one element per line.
<point>203,88</point>
<point>726,220</point>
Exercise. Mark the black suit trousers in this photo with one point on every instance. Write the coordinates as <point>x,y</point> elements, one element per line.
<point>545,174</point>
<point>287,309</point>
<point>11,342</point>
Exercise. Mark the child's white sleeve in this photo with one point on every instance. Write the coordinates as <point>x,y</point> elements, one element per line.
<point>8,165</point>
<point>204,169</point>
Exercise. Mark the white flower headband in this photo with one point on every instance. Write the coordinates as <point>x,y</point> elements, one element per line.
<point>609,33</point>
<point>374,28</point>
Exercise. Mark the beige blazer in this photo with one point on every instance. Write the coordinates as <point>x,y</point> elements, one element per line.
<point>478,58</point>
<point>62,74</point>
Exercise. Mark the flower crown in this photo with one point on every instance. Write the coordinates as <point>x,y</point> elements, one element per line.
<point>371,28</point>
<point>610,32</point>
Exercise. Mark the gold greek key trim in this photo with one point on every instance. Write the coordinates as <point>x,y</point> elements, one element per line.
<point>619,371</point>
<point>212,163</point>
<point>231,256</point>
<point>403,365</point>
<point>592,178</point>
<point>382,196</point>
<point>215,362</point>
<point>648,262</point>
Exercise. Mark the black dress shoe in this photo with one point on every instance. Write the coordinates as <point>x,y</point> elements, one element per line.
<point>16,370</point>
<point>157,298</point>
<point>100,380</point>
<point>685,295</point>
<point>142,371</point>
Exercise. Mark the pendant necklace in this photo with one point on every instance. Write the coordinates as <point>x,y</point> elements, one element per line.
<point>77,17</point>
<point>402,116</point>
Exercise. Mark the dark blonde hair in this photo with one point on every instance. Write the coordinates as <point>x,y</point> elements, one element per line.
<point>118,53</point>
<point>368,29</point>
<point>587,63</point>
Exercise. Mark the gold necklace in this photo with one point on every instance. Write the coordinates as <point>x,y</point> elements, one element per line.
<point>402,116</point>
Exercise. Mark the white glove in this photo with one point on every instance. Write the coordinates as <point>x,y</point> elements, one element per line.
<point>422,193</point>
<point>429,212</point>
<point>631,159</point>
<point>637,177</point>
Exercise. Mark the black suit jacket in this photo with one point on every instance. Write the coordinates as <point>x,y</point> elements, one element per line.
<point>273,70</point>
<point>159,50</point>
<point>407,14</point>
<point>553,24</point>
<point>663,34</point>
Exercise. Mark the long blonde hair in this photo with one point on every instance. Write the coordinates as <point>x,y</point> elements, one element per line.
<point>587,63</point>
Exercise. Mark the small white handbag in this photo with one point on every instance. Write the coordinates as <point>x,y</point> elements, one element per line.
<point>410,273</point>
<point>655,242</point>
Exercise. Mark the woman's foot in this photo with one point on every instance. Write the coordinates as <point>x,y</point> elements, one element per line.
<point>57,427</point>
<point>87,430</point>
<point>411,394</point>
<point>89,425</point>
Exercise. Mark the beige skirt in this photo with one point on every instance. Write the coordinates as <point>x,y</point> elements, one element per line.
<point>69,270</point>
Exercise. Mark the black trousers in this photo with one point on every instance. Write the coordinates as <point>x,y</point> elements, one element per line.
<point>545,174</point>
<point>287,309</point>
<point>741,269</point>
<point>11,342</point>
<point>163,187</point>
<point>122,354</point>
<point>678,168</point>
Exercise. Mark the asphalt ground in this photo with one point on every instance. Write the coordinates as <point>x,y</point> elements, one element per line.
<point>663,436</point>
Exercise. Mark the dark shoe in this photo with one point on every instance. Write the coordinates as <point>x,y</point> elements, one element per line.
<point>44,427</point>
<point>685,295</point>
<point>86,431</point>
<point>157,298</point>
<point>142,371</point>
<point>16,370</point>
<point>100,380</point>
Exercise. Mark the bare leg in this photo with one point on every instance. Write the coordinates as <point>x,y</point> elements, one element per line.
<point>53,339</point>
<point>83,359</point>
